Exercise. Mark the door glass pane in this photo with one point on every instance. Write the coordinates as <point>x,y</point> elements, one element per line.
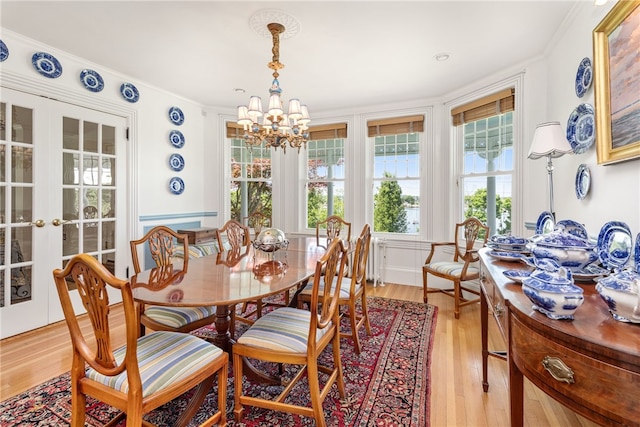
<point>22,124</point>
<point>90,137</point>
<point>90,237</point>
<point>70,203</point>
<point>21,275</point>
<point>108,203</point>
<point>90,171</point>
<point>21,204</point>
<point>70,241</point>
<point>108,171</point>
<point>70,173</point>
<point>21,164</point>
<point>108,235</point>
<point>108,139</point>
<point>70,133</point>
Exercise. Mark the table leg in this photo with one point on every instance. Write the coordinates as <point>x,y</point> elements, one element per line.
<point>222,338</point>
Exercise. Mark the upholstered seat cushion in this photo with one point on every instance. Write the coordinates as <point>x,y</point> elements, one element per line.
<point>163,357</point>
<point>198,250</point>
<point>176,317</point>
<point>285,329</point>
<point>345,288</point>
<point>451,268</point>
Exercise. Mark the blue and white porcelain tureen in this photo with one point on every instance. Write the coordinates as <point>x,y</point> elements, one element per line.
<point>566,249</point>
<point>552,291</point>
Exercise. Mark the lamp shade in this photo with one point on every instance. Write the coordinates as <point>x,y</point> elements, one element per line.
<point>549,139</point>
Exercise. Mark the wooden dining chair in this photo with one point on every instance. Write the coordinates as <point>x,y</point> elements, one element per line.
<point>163,244</point>
<point>351,291</point>
<point>461,268</point>
<point>257,220</point>
<point>332,227</point>
<point>297,337</point>
<point>234,236</point>
<point>147,371</point>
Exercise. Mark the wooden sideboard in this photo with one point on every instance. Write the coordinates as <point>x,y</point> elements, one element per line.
<point>590,364</point>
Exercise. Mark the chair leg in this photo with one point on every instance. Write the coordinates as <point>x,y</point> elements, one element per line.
<point>456,291</point>
<point>365,314</point>
<point>424,286</point>
<point>238,409</point>
<point>354,326</point>
<point>314,392</point>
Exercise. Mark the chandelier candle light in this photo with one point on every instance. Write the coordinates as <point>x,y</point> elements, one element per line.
<point>549,141</point>
<point>277,128</point>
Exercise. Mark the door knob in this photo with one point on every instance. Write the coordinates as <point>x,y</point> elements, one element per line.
<point>57,222</point>
<point>39,223</point>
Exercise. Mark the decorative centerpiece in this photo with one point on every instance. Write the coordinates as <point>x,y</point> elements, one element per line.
<point>552,291</point>
<point>270,240</point>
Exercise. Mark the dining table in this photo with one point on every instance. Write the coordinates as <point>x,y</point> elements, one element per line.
<point>229,278</point>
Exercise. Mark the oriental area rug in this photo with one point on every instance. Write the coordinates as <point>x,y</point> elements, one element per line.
<point>387,384</point>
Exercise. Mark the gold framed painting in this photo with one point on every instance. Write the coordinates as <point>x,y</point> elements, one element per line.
<point>616,43</point>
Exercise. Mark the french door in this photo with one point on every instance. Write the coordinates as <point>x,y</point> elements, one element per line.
<point>62,192</point>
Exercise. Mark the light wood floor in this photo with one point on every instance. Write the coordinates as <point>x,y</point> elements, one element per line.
<point>457,398</point>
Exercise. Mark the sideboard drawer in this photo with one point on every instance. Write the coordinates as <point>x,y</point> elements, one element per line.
<point>580,379</point>
<point>199,235</point>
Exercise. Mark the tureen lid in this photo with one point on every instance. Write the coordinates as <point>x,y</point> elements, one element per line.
<point>560,239</point>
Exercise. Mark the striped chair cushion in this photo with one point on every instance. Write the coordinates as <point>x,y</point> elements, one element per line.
<point>164,357</point>
<point>451,268</point>
<point>285,329</point>
<point>344,289</point>
<point>177,317</point>
<point>199,250</point>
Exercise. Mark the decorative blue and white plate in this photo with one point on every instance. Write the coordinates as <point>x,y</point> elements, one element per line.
<point>4,51</point>
<point>176,116</point>
<point>506,256</point>
<point>545,223</point>
<point>517,275</point>
<point>46,64</point>
<point>581,128</point>
<point>583,181</point>
<point>91,80</point>
<point>584,77</point>
<point>176,138</point>
<point>129,92</point>
<point>176,162</point>
<point>589,273</point>
<point>176,185</point>
<point>614,244</point>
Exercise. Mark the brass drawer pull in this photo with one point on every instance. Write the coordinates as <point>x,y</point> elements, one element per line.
<point>558,369</point>
<point>498,309</point>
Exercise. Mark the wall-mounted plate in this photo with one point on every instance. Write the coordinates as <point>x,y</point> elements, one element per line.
<point>129,92</point>
<point>176,185</point>
<point>91,80</point>
<point>583,181</point>
<point>176,116</point>
<point>46,64</point>
<point>176,162</point>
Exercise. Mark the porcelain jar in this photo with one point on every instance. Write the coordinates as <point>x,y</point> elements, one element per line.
<point>567,250</point>
<point>551,290</point>
<point>621,292</point>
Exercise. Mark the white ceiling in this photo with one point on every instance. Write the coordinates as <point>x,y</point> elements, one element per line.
<point>346,54</point>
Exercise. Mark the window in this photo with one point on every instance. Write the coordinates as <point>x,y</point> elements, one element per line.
<point>396,174</point>
<point>486,177</point>
<point>250,187</point>
<point>325,173</point>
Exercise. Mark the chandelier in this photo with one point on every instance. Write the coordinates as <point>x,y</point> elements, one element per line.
<point>277,128</point>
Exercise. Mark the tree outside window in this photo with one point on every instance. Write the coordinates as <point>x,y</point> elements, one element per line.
<point>325,179</point>
<point>396,183</point>
<point>251,186</point>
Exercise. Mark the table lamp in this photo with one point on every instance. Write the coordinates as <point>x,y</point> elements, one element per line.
<point>549,141</point>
